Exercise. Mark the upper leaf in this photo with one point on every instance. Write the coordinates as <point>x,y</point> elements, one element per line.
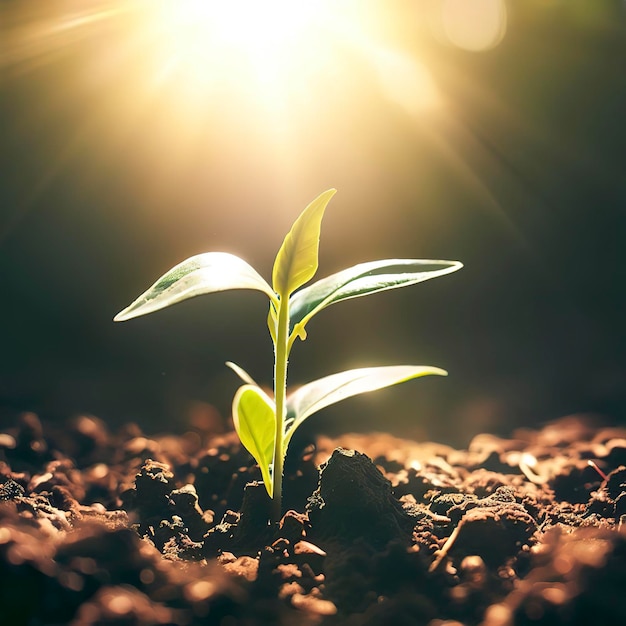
<point>203,273</point>
<point>297,259</point>
<point>323,392</point>
<point>362,280</point>
<point>254,416</point>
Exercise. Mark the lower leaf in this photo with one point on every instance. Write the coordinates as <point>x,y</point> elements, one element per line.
<point>254,416</point>
<point>321,393</point>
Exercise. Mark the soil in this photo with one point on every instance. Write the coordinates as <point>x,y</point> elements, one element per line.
<point>102,528</point>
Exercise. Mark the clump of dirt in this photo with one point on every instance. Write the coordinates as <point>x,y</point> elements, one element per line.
<point>123,529</point>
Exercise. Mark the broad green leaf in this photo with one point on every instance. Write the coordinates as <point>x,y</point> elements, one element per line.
<point>200,274</point>
<point>323,392</point>
<point>241,373</point>
<point>297,259</point>
<point>254,416</point>
<point>362,280</point>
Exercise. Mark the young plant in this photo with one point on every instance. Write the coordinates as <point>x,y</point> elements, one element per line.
<point>266,425</point>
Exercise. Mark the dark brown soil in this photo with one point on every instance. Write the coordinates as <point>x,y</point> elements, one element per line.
<point>124,529</point>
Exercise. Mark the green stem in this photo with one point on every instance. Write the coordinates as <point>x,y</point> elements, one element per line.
<point>281,356</point>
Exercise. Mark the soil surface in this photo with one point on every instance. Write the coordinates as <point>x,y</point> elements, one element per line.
<point>102,528</point>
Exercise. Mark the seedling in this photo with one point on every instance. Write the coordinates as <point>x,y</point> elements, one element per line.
<point>266,425</point>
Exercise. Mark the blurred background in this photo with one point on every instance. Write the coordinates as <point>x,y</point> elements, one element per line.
<point>136,133</point>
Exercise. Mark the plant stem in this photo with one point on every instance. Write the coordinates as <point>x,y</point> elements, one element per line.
<point>280,394</point>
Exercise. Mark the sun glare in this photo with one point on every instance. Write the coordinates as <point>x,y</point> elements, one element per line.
<point>240,24</point>
<point>273,53</point>
<point>242,41</point>
<point>237,77</point>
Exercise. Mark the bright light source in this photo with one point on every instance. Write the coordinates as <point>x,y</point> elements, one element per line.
<point>273,52</point>
<point>226,80</point>
<point>247,24</point>
<point>242,40</point>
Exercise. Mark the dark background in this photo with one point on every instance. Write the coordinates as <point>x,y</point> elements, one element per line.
<point>522,177</point>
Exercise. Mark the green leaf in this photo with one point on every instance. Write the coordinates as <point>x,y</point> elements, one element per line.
<point>200,274</point>
<point>297,259</point>
<point>254,416</point>
<point>323,392</point>
<point>241,373</point>
<point>362,280</point>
